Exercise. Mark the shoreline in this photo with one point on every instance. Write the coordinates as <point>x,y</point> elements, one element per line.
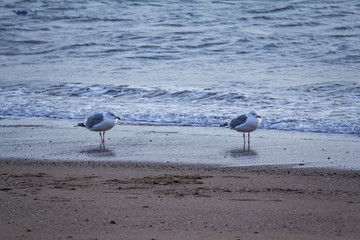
<point>58,140</point>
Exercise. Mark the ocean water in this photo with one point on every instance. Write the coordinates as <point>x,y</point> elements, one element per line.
<point>197,63</point>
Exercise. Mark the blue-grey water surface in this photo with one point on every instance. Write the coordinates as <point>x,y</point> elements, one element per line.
<point>185,62</point>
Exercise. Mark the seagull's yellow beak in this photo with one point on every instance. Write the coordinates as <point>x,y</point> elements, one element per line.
<point>118,118</point>
<point>258,116</point>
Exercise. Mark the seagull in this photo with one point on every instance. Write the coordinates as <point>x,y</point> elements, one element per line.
<point>101,122</point>
<point>246,123</point>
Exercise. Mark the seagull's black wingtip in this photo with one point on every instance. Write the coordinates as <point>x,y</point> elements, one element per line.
<point>224,125</point>
<point>81,125</point>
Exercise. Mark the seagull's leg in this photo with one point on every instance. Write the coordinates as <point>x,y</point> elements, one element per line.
<point>249,141</point>
<point>100,136</point>
<point>103,140</point>
<point>244,140</point>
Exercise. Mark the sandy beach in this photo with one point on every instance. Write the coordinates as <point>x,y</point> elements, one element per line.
<point>164,182</point>
<point>42,200</point>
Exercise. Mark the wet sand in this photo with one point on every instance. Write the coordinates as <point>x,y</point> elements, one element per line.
<point>59,140</point>
<point>164,182</point>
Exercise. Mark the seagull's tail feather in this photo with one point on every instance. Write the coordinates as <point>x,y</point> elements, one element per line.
<point>80,125</point>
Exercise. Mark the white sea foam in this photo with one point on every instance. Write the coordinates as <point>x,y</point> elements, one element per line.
<point>320,108</point>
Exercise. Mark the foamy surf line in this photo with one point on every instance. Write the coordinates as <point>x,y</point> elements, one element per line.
<point>58,140</point>
<point>307,108</point>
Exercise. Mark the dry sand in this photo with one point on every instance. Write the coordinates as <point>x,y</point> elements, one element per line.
<point>56,183</point>
<point>92,200</point>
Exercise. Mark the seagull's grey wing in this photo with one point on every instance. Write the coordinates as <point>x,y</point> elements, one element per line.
<point>238,121</point>
<point>93,120</point>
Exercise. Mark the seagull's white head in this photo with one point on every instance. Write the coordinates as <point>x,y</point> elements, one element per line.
<point>111,114</point>
<point>253,115</point>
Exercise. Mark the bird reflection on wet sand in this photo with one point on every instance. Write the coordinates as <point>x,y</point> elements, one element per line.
<point>99,152</point>
<point>240,152</point>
